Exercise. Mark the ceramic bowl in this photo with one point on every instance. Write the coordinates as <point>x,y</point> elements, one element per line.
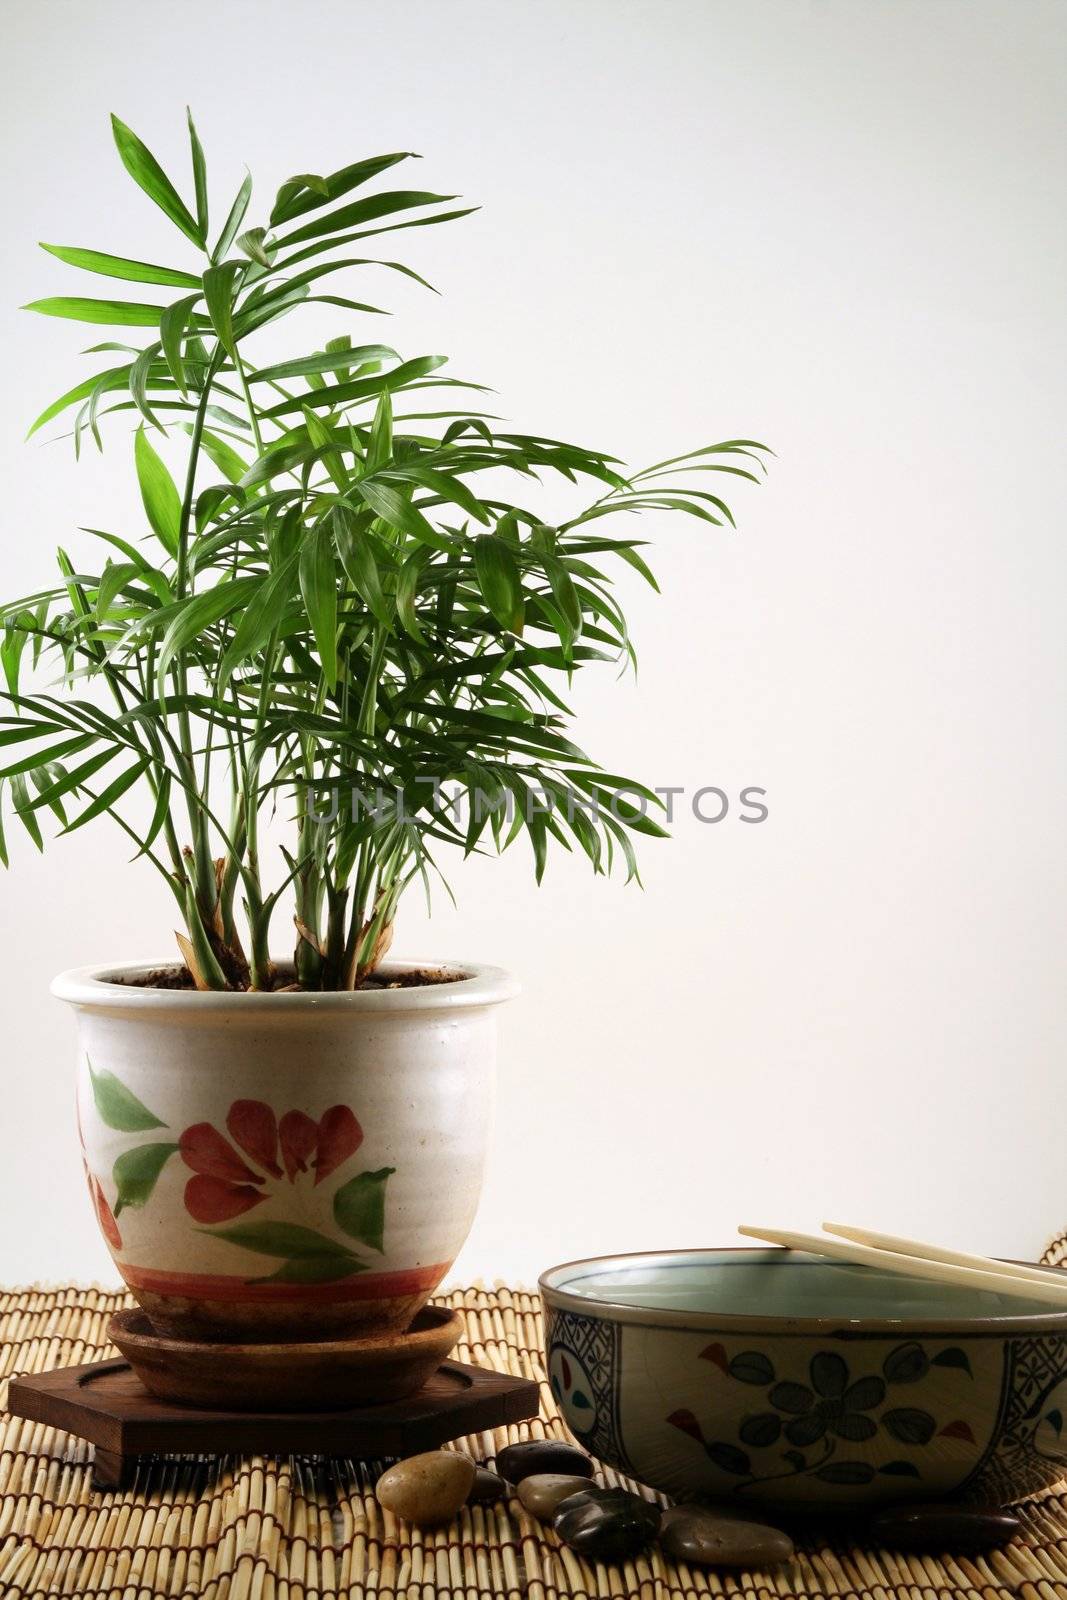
<point>775,1378</point>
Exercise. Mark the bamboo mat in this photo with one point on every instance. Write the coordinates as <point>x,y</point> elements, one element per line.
<point>308,1529</point>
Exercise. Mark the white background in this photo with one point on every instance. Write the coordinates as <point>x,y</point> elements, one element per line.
<point>836,226</point>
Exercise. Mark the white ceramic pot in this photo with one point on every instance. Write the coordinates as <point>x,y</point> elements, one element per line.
<point>270,1166</point>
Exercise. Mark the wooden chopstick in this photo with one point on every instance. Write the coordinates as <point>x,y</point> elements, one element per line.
<point>1052,1292</point>
<point>936,1252</point>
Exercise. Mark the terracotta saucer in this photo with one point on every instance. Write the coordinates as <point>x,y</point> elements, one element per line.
<point>330,1375</point>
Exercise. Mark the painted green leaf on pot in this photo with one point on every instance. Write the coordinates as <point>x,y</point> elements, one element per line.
<point>906,1364</point>
<point>829,1374</point>
<point>953,1357</point>
<point>855,1427</point>
<point>793,1397</point>
<point>909,1425</point>
<point>286,1239</point>
<point>900,1469</point>
<point>118,1107</point>
<point>359,1207</point>
<point>135,1173</point>
<point>763,1429</point>
<point>728,1457</point>
<point>865,1393</point>
<point>751,1367</point>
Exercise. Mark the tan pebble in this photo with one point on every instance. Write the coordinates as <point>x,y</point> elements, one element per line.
<point>542,1492</point>
<point>427,1489</point>
<point>696,1535</point>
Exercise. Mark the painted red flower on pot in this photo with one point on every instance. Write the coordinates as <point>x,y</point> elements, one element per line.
<point>231,1178</point>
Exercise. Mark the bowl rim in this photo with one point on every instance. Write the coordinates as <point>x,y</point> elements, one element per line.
<point>739,1322</point>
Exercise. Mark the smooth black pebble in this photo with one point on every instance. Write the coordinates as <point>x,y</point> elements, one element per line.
<point>942,1527</point>
<point>518,1461</point>
<point>606,1524</point>
<point>487,1487</point>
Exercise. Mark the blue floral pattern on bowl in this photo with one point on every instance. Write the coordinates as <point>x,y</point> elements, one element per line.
<point>825,1418</point>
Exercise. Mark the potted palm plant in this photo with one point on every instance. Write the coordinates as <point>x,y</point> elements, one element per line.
<point>338,610</point>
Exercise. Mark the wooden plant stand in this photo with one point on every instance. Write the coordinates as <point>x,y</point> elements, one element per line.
<point>106,1403</point>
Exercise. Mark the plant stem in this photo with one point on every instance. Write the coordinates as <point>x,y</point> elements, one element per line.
<point>203,865</point>
<point>253,415</point>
